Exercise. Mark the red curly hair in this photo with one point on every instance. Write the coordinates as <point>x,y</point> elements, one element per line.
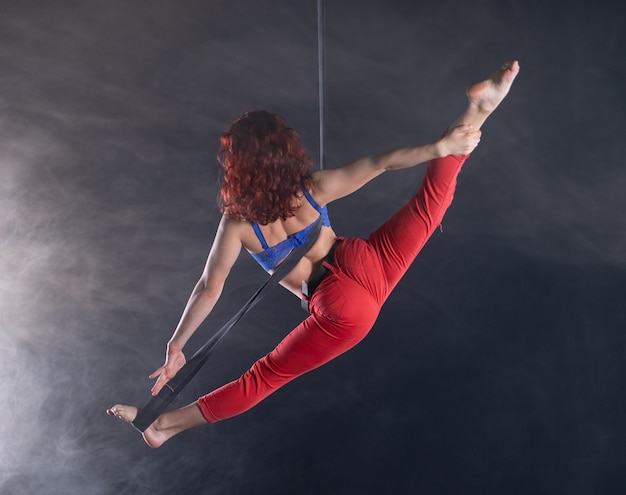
<point>264,168</point>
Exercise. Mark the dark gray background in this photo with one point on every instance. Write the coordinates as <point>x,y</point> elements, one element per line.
<point>497,365</point>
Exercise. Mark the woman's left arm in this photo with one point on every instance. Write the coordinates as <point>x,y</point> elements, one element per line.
<point>329,185</point>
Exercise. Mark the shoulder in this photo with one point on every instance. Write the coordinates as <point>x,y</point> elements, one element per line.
<point>318,187</point>
<point>226,244</point>
<point>232,227</point>
<point>233,233</point>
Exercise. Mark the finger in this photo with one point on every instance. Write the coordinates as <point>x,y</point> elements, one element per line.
<point>156,389</point>
<point>157,372</point>
<point>162,380</point>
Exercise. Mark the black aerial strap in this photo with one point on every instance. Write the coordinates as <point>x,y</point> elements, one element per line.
<point>157,404</point>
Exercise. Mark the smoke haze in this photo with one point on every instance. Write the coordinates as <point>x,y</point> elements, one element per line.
<point>496,366</point>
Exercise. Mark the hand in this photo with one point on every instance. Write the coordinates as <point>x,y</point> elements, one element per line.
<point>174,361</point>
<point>461,140</point>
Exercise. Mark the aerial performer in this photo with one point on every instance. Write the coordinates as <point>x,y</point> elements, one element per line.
<point>270,199</point>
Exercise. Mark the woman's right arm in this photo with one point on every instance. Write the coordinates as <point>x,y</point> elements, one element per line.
<point>224,252</point>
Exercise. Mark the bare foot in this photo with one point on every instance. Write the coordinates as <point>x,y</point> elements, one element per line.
<point>488,94</point>
<point>152,436</point>
<point>125,413</point>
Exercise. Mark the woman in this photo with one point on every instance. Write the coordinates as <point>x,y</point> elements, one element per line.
<point>269,201</point>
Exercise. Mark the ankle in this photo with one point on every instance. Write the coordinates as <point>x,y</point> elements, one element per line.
<point>479,108</point>
<point>160,424</point>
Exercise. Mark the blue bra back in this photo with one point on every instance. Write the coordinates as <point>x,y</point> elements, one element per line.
<point>271,257</point>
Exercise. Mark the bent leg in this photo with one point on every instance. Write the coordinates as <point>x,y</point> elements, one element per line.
<point>335,325</point>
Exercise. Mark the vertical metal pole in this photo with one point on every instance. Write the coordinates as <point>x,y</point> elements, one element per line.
<point>321,80</point>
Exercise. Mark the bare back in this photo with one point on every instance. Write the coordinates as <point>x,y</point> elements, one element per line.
<point>280,230</point>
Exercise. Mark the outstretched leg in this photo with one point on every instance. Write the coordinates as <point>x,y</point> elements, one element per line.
<point>166,425</point>
<point>402,237</point>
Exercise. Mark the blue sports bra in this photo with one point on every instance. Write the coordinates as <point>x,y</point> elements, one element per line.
<point>270,257</point>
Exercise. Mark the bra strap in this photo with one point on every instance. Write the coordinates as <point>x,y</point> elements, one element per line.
<point>313,203</point>
<point>259,234</point>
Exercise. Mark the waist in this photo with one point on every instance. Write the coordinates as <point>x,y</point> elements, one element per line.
<point>308,288</point>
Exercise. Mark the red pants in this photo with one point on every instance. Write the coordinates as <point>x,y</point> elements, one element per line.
<point>346,304</point>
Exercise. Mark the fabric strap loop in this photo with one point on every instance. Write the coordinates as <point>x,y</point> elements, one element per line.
<point>157,404</point>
